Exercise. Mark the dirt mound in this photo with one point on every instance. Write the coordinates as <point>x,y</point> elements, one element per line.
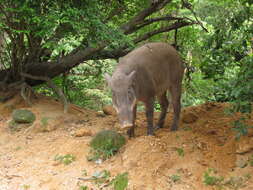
<point>169,160</point>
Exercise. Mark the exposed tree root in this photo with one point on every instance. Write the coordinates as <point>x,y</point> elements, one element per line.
<point>50,83</point>
<point>26,92</point>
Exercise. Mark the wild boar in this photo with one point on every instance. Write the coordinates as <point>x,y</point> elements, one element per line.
<point>145,73</point>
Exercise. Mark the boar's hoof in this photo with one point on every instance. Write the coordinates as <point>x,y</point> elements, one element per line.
<point>150,133</point>
<point>173,128</point>
<point>158,127</point>
<point>130,133</point>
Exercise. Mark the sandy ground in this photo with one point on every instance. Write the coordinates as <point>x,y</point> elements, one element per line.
<point>205,140</point>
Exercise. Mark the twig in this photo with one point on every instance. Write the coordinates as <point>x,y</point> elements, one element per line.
<point>188,6</point>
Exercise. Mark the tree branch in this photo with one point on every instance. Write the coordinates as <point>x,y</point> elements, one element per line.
<point>157,19</point>
<point>163,29</point>
<point>115,54</point>
<point>139,18</point>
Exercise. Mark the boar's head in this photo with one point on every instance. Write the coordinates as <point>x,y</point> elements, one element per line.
<point>123,96</point>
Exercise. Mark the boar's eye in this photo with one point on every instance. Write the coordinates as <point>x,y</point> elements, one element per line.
<point>130,94</point>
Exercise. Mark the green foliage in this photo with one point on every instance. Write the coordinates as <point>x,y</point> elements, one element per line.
<point>242,95</point>
<point>175,178</point>
<point>120,182</point>
<point>65,159</point>
<point>222,55</point>
<point>83,187</point>
<point>63,25</point>
<point>251,160</point>
<point>106,143</point>
<point>44,121</point>
<point>227,44</point>
<point>180,151</point>
<point>210,179</point>
<point>241,127</point>
<point>84,85</point>
<point>198,91</point>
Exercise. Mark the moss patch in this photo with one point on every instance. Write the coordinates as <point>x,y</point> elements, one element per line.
<point>23,116</point>
<point>106,143</point>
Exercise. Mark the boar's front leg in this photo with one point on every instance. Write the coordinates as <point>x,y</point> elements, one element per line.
<point>150,114</point>
<point>176,101</point>
<point>164,107</point>
<point>130,131</point>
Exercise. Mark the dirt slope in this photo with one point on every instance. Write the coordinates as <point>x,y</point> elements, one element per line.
<point>204,140</point>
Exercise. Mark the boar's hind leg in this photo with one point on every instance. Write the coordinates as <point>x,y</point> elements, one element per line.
<point>149,114</point>
<point>163,101</point>
<point>130,131</point>
<point>176,101</point>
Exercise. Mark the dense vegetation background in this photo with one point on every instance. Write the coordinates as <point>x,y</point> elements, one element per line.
<point>76,42</point>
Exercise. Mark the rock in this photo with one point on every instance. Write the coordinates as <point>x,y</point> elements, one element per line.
<point>82,132</point>
<point>244,145</point>
<point>42,126</point>
<point>23,116</point>
<point>189,117</point>
<point>241,163</point>
<point>99,161</point>
<point>109,110</point>
<point>100,114</point>
<point>49,128</point>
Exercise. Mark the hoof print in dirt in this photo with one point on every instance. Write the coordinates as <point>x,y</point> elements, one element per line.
<point>105,144</point>
<point>23,116</point>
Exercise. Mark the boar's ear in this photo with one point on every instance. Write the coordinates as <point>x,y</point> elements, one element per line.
<point>131,77</point>
<point>108,78</point>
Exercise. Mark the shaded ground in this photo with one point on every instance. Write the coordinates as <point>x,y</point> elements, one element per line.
<point>203,141</point>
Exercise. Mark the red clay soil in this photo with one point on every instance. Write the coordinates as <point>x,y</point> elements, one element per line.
<point>167,161</point>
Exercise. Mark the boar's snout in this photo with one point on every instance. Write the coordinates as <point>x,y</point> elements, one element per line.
<point>125,118</point>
